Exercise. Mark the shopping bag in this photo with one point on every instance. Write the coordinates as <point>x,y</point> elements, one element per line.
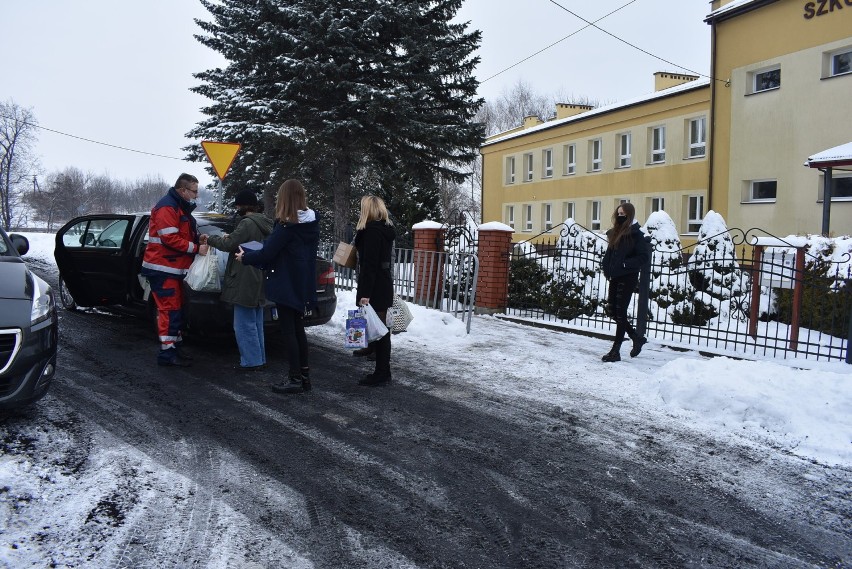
<point>346,255</point>
<point>203,275</point>
<point>399,316</point>
<point>356,330</point>
<point>376,329</point>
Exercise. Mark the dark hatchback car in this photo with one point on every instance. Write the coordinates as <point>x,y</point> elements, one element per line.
<point>99,258</point>
<point>28,327</point>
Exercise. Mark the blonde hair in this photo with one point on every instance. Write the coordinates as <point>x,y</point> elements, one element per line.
<point>372,209</point>
<point>291,198</point>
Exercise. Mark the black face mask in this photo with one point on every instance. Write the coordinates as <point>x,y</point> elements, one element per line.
<point>620,219</point>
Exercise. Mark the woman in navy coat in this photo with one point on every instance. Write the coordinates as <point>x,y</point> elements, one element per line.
<point>628,251</point>
<point>289,257</point>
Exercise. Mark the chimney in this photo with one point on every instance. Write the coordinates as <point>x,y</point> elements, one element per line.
<point>663,80</point>
<point>531,121</point>
<point>565,110</point>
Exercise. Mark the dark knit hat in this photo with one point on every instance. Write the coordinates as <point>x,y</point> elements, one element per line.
<point>246,197</point>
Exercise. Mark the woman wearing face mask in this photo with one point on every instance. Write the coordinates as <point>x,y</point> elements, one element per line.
<point>628,251</point>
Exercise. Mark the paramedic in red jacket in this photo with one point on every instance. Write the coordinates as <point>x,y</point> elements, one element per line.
<point>173,242</point>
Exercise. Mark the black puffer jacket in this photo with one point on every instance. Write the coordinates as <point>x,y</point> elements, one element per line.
<point>630,255</point>
<point>375,281</point>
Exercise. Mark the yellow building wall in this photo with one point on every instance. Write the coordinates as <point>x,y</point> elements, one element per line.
<point>770,134</point>
<point>674,180</point>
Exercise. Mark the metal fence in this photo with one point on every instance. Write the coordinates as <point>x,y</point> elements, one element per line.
<point>444,280</point>
<point>719,294</point>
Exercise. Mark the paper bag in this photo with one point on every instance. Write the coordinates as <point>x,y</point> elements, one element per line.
<point>346,255</point>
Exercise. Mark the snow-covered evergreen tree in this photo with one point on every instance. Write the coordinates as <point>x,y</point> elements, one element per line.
<point>319,89</point>
<point>669,279</point>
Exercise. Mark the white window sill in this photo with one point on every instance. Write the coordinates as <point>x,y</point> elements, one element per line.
<point>763,91</point>
<point>756,202</point>
<point>696,157</point>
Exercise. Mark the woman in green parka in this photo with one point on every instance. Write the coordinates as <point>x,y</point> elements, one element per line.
<point>244,286</point>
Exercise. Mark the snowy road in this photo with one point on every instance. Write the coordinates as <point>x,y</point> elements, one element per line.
<point>128,465</point>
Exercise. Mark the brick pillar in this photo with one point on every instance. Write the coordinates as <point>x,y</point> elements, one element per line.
<point>494,252</point>
<point>428,263</point>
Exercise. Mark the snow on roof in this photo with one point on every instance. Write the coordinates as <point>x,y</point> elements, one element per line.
<point>842,153</point>
<point>697,84</point>
<point>729,7</point>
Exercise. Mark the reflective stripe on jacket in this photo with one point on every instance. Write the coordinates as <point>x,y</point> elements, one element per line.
<point>172,236</point>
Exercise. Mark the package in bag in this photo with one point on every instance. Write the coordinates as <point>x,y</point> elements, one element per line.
<point>203,274</point>
<point>356,330</point>
<point>399,316</point>
<point>376,329</point>
<point>346,255</point>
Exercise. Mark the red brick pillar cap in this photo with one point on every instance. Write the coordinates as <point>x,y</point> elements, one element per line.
<point>495,226</point>
<point>428,225</point>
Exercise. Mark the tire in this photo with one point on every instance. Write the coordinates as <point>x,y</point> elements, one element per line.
<point>68,302</point>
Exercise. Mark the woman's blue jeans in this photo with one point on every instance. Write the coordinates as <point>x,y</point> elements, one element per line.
<point>248,327</point>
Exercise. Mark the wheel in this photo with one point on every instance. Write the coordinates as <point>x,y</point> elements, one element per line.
<point>65,297</point>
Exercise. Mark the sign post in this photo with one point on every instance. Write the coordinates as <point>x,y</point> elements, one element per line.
<point>221,155</point>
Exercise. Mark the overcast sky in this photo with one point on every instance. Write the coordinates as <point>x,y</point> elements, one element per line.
<point>119,72</point>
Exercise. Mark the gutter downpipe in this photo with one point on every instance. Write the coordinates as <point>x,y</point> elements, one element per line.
<point>712,115</point>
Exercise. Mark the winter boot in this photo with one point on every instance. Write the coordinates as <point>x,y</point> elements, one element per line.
<point>613,355</point>
<point>295,384</point>
<point>638,342</point>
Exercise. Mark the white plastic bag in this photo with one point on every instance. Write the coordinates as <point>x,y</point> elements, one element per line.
<point>203,275</point>
<point>376,329</point>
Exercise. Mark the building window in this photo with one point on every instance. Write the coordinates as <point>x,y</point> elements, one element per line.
<point>697,137</point>
<point>841,188</point>
<point>595,154</point>
<point>570,159</point>
<point>694,213</point>
<point>569,211</point>
<point>595,216</point>
<point>762,190</point>
<point>766,80</point>
<point>658,144</point>
<point>624,150</point>
<point>510,170</point>
<point>528,162</point>
<point>529,219</point>
<point>656,204</point>
<point>548,217</point>
<point>841,63</point>
<point>510,216</point>
<point>547,161</point>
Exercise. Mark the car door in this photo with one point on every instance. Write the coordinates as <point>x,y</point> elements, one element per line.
<point>95,257</point>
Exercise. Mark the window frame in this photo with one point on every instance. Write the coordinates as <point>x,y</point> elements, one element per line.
<point>570,211</point>
<point>528,167</point>
<point>569,160</point>
<point>754,76</point>
<point>690,221</point>
<point>595,207</point>
<point>510,170</point>
<point>547,163</point>
<point>548,217</point>
<point>701,143</point>
<point>625,160</point>
<point>528,222</point>
<point>655,150</point>
<point>654,201</point>
<point>750,197</point>
<point>510,216</point>
<point>832,72</point>
<point>595,155</point>
<point>834,181</point>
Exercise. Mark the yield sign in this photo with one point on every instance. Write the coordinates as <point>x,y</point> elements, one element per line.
<point>221,155</point>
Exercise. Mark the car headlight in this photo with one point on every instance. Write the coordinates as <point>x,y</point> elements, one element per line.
<point>43,302</point>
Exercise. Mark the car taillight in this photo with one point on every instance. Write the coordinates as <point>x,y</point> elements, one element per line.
<point>327,278</point>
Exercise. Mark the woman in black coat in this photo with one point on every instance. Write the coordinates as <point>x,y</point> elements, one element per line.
<point>289,257</point>
<point>628,251</point>
<point>374,241</point>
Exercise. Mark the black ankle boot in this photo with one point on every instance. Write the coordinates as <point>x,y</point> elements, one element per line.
<point>613,355</point>
<point>638,342</point>
<point>295,384</point>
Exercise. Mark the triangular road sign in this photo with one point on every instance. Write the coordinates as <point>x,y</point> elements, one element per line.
<point>221,155</point>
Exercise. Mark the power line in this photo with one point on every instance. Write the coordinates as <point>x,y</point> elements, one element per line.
<point>634,46</point>
<point>588,25</point>
<point>94,141</point>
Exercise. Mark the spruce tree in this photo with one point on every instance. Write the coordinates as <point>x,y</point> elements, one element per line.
<point>319,90</point>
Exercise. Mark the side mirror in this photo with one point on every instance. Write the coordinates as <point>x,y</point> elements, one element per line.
<point>21,243</point>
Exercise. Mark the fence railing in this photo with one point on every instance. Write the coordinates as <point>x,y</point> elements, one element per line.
<point>779,305</point>
<point>443,280</point>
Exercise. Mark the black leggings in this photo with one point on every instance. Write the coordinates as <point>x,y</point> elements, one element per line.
<point>295,340</point>
<point>620,292</point>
